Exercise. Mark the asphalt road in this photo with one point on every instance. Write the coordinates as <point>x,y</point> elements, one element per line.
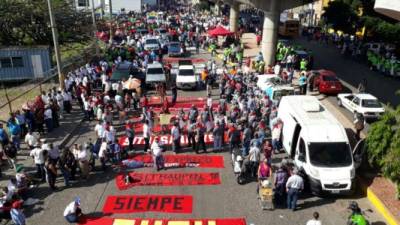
<point>227,200</point>
<point>353,72</point>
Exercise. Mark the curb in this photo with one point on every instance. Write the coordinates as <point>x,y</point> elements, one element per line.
<point>378,204</point>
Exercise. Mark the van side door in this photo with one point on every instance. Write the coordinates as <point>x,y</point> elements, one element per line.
<point>301,155</point>
<point>288,133</point>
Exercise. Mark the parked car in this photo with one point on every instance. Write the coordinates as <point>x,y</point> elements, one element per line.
<point>326,82</point>
<point>366,104</point>
<point>151,44</point>
<point>174,49</point>
<point>186,77</point>
<point>155,73</point>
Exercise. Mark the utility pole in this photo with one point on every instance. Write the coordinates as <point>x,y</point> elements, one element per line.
<point>95,30</point>
<point>56,47</point>
<point>111,20</point>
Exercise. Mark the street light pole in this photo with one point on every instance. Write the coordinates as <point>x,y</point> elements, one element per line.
<point>95,29</point>
<point>111,30</point>
<point>56,47</point>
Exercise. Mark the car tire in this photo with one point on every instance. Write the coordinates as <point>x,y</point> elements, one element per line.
<point>339,102</point>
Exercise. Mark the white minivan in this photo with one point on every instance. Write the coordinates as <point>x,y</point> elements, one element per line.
<point>318,144</point>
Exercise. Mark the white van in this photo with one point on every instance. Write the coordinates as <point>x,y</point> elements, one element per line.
<point>318,144</point>
<point>186,77</point>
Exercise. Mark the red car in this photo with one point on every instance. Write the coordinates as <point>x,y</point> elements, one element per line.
<point>326,82</point>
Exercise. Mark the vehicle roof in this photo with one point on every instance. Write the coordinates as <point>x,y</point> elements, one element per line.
<point>300,52</point>
<point>365,96</point>
<point>186,67</point>
<point>317,122</point>
<point>326,72</point>
<point>174,42</point>
<point>154,65</point>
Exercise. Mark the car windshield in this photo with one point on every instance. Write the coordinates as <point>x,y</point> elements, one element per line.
<point>162,31</point>
<point>187,72</point>
<point>280,93</point>
<point>155,71</point>
<point>174,46</point>
<point>151,18</point>
<point>329,78</point>
<point>151,41</point>
<point>330,154</point>
<point>371,103</point>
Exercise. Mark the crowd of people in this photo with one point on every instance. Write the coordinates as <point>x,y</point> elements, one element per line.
<point>243,121</point>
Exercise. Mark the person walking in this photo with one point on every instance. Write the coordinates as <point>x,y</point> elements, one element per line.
<point>294,185</point>
<point>315,220</point>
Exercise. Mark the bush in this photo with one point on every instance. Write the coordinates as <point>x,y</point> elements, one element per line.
<point>383,145</point>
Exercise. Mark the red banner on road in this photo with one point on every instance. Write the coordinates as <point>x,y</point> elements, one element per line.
<point>165,139</point>
<point>203,161</point>
<point>148,203</point>
<point>112,221</point>
<point>167,179</point>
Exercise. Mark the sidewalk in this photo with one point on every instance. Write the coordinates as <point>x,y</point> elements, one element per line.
<point>59,137</point>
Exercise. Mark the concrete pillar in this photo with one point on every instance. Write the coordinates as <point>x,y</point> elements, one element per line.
<point>270,34</point>
<point>234,17</point>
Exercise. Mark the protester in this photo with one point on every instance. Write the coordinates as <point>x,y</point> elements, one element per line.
<point>73,212</point>
<point>156,151</point>
<point>294,186</point>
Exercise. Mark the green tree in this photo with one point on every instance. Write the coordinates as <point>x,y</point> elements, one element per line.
<point>340,16</point>
<point>25,22</point>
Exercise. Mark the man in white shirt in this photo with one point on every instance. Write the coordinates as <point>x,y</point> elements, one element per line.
<point>254,158</point>
<point>103,154</point>
<point>73,211</point>
<point>48,118</point>
<point>38,157</point>
<point>315,220</point>
<point>176,137</point>
<point>156,152</point>
<point>31,139</point>
<point>99,129</point>
<point>294,185</point>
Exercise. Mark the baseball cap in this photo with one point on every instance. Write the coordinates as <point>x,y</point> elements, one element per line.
<point>77,201</point>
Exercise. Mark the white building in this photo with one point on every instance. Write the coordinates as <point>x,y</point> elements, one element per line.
<point>118,6</point>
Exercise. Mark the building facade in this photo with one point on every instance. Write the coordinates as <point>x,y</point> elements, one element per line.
<point>23,63</point>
